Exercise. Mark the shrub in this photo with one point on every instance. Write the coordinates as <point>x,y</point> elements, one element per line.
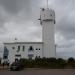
<point>52,63</point>
<point>61,63</point>
<point>71,62</point>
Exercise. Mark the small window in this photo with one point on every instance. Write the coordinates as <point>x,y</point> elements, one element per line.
<point>51,14</point>
<point>23,48</point>
<point>31,48</point>
<point>13,47</point>
<point>36,49</point>
<point>43,9</point>
<point>5,57</point>
<point>18,49</point>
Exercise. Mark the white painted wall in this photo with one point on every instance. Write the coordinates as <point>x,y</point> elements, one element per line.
<point>48,39</point>
<point>48,18</point>
<point>24,54</point>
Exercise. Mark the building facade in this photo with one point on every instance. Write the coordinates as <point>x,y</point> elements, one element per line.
<point>28,50</point>
<point>31,50</point>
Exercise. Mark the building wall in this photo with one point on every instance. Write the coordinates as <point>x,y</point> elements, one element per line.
<point>48,39</point>
<point>48,20</point>
<point>13,50</point>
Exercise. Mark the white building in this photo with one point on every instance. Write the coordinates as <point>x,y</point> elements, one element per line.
<point>30,50</point>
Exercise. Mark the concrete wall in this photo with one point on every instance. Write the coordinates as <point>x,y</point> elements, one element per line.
<point>48,19</point>
<point>48,39</point>
<point>26,52</point>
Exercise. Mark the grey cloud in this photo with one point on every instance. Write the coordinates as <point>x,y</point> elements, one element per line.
<point>14,6</point>
<point>21,10</point>
<point>67,27</point>
<point>65,23</point>
<point>9,5</point>
<point>9,10</point>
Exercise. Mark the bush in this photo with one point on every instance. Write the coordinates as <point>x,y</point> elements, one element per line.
<point>61,63</point>
<point>52,63</point>
<point>71,62</point>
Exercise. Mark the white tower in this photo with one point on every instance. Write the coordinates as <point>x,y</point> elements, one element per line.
<point>47,19</point>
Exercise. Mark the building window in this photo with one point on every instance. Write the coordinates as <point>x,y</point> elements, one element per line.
<point>31,48</point>
<point>36,49</point>
<point>18,49</point>
<point>43,9</point>
<point>13,47</point>
<point>23,48</point>
<point>51,14</point>
<point>5,57</point>
<point>6,53</point>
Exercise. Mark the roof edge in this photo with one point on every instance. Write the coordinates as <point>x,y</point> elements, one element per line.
<point>24,43</point>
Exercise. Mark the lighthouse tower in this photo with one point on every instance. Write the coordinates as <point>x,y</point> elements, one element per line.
<point>47,20</point>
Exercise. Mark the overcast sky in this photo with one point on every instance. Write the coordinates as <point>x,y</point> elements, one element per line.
<point>19,19</point>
